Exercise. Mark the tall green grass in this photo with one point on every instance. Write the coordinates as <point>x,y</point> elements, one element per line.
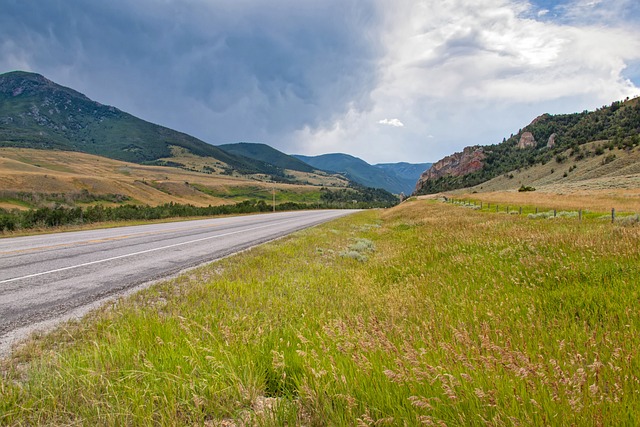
<point>454,317</point>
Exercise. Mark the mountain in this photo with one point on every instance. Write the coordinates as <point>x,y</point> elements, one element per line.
<point>267,154</point>
<point>561,138</point>
<point>38,113</point>
<point>361,172</point>
<point>406,171</point>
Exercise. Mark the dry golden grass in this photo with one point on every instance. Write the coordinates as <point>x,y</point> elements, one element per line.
<point>190,160</point>
<point>319,178</point>
<point>10,206</point>
<point>44,171</point>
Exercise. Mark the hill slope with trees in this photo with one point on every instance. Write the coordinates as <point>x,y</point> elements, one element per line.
<point>38,113</point>
<point>267,154</point>
<point>548,138</point>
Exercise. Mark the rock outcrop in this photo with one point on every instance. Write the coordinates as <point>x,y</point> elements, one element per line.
<point>526,141</point>
<point>470,160</point>
<point>552,141</point>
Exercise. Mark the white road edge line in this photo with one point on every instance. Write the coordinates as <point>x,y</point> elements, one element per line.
<point>132,254</point>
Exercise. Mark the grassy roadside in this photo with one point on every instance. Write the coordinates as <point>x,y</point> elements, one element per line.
<point>422,314</point>
<point>541,211</point>
<point>596,201</point>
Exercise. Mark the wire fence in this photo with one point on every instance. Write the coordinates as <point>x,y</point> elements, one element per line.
<point>534,212</point>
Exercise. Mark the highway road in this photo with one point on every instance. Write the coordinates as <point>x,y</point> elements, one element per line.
<point>44,277</point>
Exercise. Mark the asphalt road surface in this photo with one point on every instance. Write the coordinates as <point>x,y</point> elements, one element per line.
<point>43,277</point>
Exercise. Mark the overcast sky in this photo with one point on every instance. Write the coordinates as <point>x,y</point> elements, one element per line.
<point>384,80</point>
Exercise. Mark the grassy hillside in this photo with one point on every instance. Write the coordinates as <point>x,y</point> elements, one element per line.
<point>424,314</point>
<point>37,174</point>
<point>596,166</point>
<point>37,113</point>
<point>47,188</point>
<point>184,159</point>
<point>618,124</point>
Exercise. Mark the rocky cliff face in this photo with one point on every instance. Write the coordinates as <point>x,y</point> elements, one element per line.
<point>470,160</point>
<point>526,141</point>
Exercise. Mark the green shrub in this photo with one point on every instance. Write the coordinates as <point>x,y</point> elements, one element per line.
<point>524,188</point>
<point>608,159</point>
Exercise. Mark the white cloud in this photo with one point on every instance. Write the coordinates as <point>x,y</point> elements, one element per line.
<point>391,122</point>
<point>472,72</point>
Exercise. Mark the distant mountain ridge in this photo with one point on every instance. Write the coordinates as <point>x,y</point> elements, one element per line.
<point>38,113</point>
<point>267,154</point>
<point>404,170</point>
<point>559,138</point>
<point>394,177</point>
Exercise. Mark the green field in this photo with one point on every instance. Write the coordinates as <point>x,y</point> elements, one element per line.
<point>425,314</point>
<point>262,193</point>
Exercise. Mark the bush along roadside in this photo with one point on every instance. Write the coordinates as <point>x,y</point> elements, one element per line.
<point>57,216</point>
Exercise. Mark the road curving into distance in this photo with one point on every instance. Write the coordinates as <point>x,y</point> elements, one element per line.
<point>45,277</point>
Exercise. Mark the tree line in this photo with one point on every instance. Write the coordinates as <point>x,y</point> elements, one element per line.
<point>62,215</point>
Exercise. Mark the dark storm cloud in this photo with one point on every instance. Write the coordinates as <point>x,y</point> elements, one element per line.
<point>221,70</point>
<point>318,76</point>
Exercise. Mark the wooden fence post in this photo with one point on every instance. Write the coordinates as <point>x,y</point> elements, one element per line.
<point>613,215</point>
<point>579,214</point>
<point>554,213</point>
<point>520,210</point>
